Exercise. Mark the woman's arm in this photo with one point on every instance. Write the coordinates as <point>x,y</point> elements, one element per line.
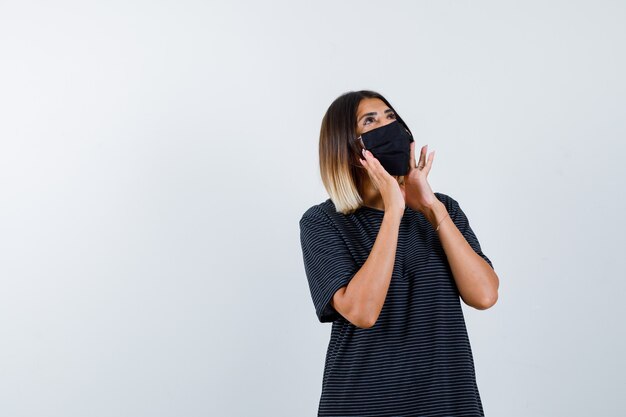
<point>475,278</point>
<point>361,301</point>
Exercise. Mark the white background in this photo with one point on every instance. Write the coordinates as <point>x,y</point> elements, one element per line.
<point>155,158</point>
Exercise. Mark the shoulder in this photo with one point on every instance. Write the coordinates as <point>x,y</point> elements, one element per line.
<point>324,212</point>
<point>324,217</point>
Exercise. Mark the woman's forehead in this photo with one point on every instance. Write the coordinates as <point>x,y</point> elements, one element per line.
<point>371,105</point>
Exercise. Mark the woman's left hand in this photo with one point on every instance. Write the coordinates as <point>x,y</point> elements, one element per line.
<point>417,192</point>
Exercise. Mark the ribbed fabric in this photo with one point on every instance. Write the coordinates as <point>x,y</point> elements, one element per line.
<point>416,360</point>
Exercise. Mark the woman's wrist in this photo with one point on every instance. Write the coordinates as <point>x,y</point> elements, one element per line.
<point>395,213</point>
<point>436,213</point>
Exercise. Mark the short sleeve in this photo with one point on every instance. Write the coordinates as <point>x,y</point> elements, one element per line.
<point>462,223</point>
<point>327,263</point>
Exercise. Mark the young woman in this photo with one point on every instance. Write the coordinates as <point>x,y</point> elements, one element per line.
<point>386,260</point>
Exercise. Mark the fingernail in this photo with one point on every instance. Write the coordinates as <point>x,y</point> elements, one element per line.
<point>363,152</point>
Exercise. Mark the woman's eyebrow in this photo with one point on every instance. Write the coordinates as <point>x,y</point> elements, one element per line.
<point>373,113</point>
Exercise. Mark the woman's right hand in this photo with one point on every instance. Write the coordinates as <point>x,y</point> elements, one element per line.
<point>385,183</point>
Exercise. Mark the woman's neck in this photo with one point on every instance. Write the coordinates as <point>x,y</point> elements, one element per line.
<point>372,197</point>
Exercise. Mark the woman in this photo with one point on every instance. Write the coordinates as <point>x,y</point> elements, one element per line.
<point>386,260</point>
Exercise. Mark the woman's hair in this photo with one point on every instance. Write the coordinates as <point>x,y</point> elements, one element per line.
<point>342,173</point>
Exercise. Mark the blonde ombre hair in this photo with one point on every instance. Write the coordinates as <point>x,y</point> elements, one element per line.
<point>342,174</point>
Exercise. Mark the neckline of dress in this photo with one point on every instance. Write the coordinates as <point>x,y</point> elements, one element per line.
<point>375,210</point>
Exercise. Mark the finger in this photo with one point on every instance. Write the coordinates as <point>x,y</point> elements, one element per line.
<point>377,172</point>
<point>377,167</point>
<point>365,162</point>
<point>369,166</point>
<point>368,170</point>
<point>429,165</point>
<point>422,161</point>
<point>367,157</point>
<point>412,163</point>
<point>371,160</point>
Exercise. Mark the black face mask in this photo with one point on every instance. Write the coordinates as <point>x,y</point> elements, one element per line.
<point>391,145</point>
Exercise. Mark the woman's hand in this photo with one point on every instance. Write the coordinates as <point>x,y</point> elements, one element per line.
<point>418,194</point>
<point>386,184</point>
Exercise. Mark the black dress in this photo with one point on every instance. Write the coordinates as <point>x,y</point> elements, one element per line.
<point>416,360</point>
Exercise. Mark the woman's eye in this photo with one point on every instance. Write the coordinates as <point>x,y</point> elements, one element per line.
<point>366,119</point>
<point>393,116</point>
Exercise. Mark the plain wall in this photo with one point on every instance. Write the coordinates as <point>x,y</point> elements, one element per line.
<point>156,157</point>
